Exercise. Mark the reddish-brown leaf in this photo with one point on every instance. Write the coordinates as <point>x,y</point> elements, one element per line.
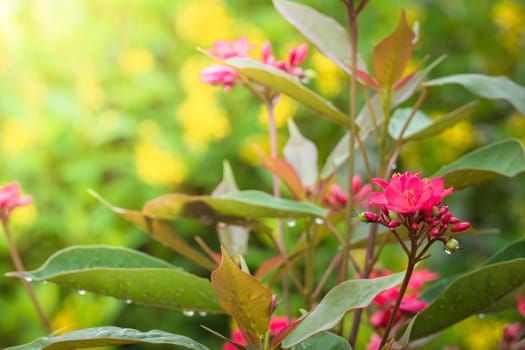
<point>391,55</point>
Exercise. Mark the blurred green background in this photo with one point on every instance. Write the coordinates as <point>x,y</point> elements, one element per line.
<point>105,95</point>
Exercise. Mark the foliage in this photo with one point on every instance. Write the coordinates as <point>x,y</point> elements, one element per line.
<point>115,103</point>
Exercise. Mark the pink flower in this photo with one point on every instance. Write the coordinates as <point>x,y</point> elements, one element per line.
<point>296,57</point>
<point>277,324</point>
<point>223,49</point>
<point>407,193</point>
<point>420,277</point>
<point>410,305</point>
<point>375,342</point>
<point>338,199</point>
<point>10,198</point>
<point>219,75</point>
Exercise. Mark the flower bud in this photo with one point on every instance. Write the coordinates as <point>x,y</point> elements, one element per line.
<point>453,220</point>
<point>460,227</point>
<point>368,216</point>
<point>415,226</point>
<point>434,232</point>
<point>443,209</point>
<point>394,224</point>
<point>446,218</point>
<point>266,51</point>
<point>451,246</point>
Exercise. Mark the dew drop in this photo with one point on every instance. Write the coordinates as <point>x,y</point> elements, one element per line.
<point>291,223</point>
<point>394,166</point>
<point>319,221</point>
<point>129,301</point>
<point>203,313</point>
<point>28,279</point>
<point>188,313</point>
<point>448,251</point>
<point>82,292</point>
<point>481,316</point>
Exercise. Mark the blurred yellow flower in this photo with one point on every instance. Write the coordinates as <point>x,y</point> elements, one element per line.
<point>516,126</point>
<point>458,139</point>
<point>202,120</point>
<point>136,61</point>
<point>65,319</point>
<point>189,74</point>
<point>284,109</point>
<point>24,216</point>
<point>329,78</point>
<point>149,129</point>
<point>158,167</point>
<point>90,93</point>
<point>16,136</point>
<point>248,152</point>
<point>482,333</point>
<point>509,15</point>
<point>204,21</point>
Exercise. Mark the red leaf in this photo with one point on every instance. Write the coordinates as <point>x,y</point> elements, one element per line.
<point>391,55</point>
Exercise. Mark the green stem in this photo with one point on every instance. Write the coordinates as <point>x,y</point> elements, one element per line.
<point>272,130</point>
<point>309,266</point>
<point>19,266</point>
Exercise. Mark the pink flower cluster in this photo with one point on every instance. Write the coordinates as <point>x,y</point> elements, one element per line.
<point>384,303</point>
<point>10,198</point>
<point>220,74</point>
<point>338,199</point>
<point>416,204</point>
<point>277,325</point>
<point>514,334</point>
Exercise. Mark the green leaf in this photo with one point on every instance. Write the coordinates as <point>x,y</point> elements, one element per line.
<point>488,87</point>
<point>504,158</point>
<point>242,296</point>
<point>347,296</point>
<point>105,336</point>
<point>324,32</point>
<point>422,127</point>
<point>325,341</point>
<point>391,55</point>
<point>126,274</point>
<point>287,84</point>
<point>160,232</point>
<point>339,154</point>
<point>513,251</point>
<point>399,118</point>
<point>468,295</point>
<point>238,207</point>
<point>301,153</point>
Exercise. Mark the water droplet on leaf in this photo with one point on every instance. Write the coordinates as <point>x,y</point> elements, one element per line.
<point>203,313</point>
<point>188,313</point>
<point>28,279</point>
<point>82,292</point>
<point>319,221</point>
<point>291,223</point>
<point>129,301</point>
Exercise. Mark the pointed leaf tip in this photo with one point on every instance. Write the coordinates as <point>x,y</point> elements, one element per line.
<point>390,57</point>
